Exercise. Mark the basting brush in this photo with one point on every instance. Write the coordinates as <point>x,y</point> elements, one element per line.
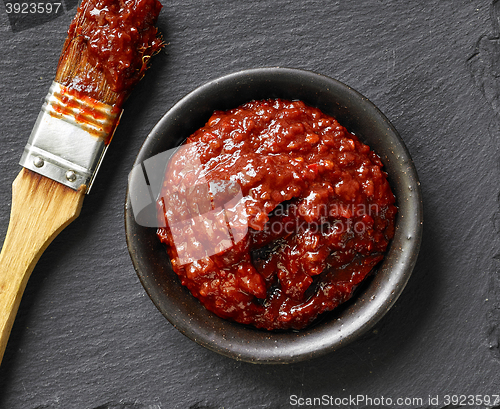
<point>107,51</point>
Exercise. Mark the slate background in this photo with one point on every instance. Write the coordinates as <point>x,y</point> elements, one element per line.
<point>87,336</point>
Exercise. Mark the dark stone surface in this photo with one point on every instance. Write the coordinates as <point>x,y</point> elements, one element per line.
<point>87,336</point>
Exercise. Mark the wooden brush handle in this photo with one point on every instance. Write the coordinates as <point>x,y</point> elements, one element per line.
<point>41,208</point>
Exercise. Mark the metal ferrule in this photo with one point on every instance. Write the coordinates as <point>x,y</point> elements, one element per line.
<point>70,137</point>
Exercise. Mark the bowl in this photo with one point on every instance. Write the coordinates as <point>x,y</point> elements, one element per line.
<point>375,297</point>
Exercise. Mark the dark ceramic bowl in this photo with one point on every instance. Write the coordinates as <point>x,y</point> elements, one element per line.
<point>369,303</point>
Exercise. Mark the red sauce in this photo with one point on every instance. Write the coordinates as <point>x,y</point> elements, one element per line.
<point>89,113</point>
<point>86,111</point>
<point>319,210</point>
<point>121,37</point>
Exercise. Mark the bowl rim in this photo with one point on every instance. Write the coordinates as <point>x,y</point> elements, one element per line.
<point>231,339</point>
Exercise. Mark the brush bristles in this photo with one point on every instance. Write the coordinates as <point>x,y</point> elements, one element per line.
<point>74,66</point>
<point>108,47</point>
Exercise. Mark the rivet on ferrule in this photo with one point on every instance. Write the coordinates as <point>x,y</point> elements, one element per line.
<point>38,162</point>
<point>71,176</point>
